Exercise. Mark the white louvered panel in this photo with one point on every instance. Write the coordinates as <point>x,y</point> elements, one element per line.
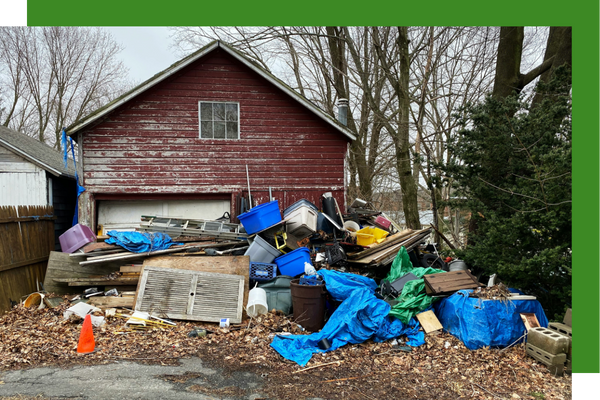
<point>191,295</point>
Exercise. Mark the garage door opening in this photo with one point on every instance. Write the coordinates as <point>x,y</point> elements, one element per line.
<point>125,215</point>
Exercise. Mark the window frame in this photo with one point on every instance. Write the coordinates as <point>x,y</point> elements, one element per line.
<point>236,103</point>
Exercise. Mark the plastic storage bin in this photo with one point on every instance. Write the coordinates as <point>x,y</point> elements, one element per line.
<point>292,263</point>
<point>76,237</point>
<point>260,217</point>
<point>302,222</point>
<point>262,271</point>
<point>297,204</point>
<point>260,251</point>
<point>370,235</point>
<point>279,295</point>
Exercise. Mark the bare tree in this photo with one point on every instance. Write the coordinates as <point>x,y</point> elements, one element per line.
<point>404,85</point>
<point>55,75</point>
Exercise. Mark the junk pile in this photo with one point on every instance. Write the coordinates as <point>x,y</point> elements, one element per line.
<point>345,277</point>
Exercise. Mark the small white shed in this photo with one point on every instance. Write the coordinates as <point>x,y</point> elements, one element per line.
<point>33,174</point>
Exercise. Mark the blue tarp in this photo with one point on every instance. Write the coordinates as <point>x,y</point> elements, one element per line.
<point>140,242</point>
<point>480,323</point>
<point>360,317</point>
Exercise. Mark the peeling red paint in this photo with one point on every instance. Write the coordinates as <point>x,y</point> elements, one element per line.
<point>150,146</point>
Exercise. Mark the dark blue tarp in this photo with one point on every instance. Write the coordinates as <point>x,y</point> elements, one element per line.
<point>140,242</point>
<point>480,323</point>
<point>360,316</point>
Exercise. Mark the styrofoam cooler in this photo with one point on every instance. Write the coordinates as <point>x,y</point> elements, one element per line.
<point>302,222</point>
<point>261,251</point>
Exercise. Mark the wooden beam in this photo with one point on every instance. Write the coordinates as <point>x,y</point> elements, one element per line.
<point>23,263</point>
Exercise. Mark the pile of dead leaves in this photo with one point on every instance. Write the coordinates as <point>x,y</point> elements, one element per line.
<point>496,292</point>
<point>443,368</point>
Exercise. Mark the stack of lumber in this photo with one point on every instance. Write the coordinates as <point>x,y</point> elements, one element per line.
<point>384,253</point>
<point>100,253</point>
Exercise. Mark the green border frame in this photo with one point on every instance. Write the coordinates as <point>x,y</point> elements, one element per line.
<point>582,15</point>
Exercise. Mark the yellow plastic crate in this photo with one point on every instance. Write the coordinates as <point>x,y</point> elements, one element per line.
<point>369,235</point>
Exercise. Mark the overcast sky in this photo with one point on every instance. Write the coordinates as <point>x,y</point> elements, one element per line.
<point>147,50</point>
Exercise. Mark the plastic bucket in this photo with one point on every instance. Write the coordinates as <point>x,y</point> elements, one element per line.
<point>308,303</point>
<point>257,302</point>
<point>457,265</point>
<point>35,300</point>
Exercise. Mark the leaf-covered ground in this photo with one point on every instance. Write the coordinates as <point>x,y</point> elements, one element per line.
<point>443,368</point>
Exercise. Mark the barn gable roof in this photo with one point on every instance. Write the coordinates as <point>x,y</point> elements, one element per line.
<point>36,152</point>
<point>161,76</point>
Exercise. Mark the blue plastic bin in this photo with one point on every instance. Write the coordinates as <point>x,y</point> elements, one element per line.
<point>292,263</point>
<point>260,217</point>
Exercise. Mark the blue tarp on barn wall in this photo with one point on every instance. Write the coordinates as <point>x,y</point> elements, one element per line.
<point>480,323</point>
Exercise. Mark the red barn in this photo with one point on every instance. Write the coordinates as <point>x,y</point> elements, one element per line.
<point>180,144</point>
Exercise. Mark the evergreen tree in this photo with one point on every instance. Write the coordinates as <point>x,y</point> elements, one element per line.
<point>512,167</point>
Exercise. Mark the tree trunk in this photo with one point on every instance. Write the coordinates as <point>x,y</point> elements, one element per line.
<point>558,50</point>
<point>508,62</point>
<point>401,140</point>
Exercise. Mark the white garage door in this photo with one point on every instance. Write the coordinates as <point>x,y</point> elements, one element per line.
<point>125,215</point>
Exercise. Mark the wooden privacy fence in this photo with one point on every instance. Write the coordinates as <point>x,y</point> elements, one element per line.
<point>26,240</point>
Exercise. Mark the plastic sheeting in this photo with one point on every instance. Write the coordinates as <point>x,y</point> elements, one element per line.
<point>138,242</point>
<point>413,299</point>
<point>360,317</point>
<point>480,323</point>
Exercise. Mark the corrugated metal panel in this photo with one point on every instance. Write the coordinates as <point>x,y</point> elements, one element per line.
<point>23,188</point>
<point>190,295</point>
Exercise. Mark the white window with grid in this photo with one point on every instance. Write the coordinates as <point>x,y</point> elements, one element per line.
<point>219,120</point>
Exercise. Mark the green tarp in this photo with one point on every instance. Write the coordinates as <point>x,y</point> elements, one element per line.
<point>413,298</point>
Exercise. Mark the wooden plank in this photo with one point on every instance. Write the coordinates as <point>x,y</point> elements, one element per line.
<point>110,301</point>
<point>133,256</point>
<point>231,265</point>
<point>97,281</point>
<point>60,266</point>
<point>529,320</point>
<point>131,268</point>
<point>429,321</point>
<point>390,241</point>
<point>23,263</point>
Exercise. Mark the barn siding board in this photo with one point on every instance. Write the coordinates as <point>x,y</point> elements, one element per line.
<point>150,145</point>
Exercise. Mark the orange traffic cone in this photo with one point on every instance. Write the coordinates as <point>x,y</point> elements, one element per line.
<point>86,337</point>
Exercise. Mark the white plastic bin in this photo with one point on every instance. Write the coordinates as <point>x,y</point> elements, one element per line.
<point>302,222</point>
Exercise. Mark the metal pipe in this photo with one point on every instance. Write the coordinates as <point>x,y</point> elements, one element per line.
<point>248,180</point>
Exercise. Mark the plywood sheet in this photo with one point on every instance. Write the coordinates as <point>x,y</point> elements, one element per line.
<point>62,266</point>
<point>429,322</point>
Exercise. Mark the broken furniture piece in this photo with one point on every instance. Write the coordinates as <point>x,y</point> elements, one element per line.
<point>449,282</point>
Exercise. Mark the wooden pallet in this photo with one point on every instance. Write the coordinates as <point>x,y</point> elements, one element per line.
<point>449,282</point>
